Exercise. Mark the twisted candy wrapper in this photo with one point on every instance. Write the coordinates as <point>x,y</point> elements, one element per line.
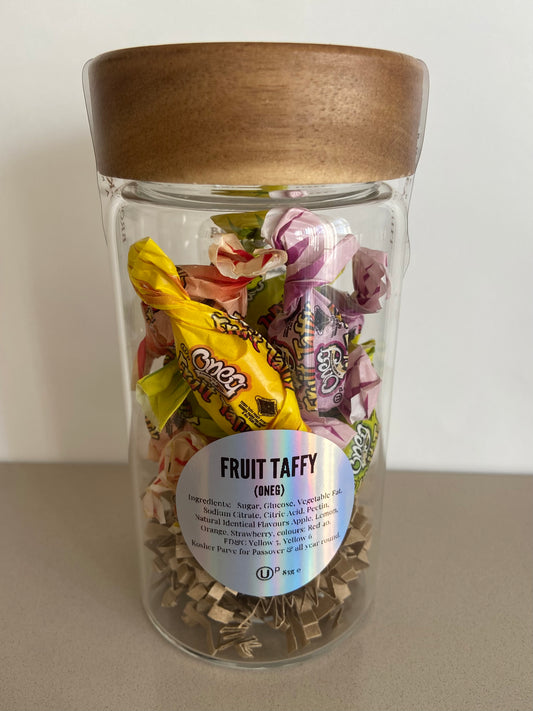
<point>245,225</point>
<point>202,283</point>
<point>317,249</point>
<point>371,283</point>
<point>157,503</point>
<point>169,404</point>
<point>224,283</point>
<point>227,254</point>
<point>205,283</point>
<point>362,389</point>
<point>158,341</point>
<point>264,297</point>
<point>311,330</point>
<point>161,393</point>
<point>370,279</point>
<point>234,373</point>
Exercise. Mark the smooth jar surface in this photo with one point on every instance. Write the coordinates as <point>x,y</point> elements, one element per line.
<point>257,329</point>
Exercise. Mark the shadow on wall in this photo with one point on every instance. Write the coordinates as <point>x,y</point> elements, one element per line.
<point>60,385</point>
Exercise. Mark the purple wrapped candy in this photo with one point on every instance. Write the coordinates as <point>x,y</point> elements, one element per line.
<point>317,249</point>
<point>371,283</point>
<point>311,330</point>
<point>361,388</point>
<point>370,279</point>
<point>331,428</point>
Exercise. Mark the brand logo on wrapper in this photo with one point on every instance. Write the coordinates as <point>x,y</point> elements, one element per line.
<point>360,447</point>
<point>331,361</point>
<point>265,512</point>
<point>220,375</point>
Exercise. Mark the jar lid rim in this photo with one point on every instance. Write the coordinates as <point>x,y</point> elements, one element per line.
<point>256,113</point>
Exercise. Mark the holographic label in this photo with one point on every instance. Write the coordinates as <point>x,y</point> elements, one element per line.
<point>265,512</point>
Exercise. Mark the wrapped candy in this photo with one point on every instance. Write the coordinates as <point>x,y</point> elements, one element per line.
<point>205,283</point>
<point>318,322</point>
<point>240,379</point>
<point>227,254</point>
<point>362,445</point>
<point>245,225</point>
<point>361,391</point>
<point>370,279</point>
<point>167,402</point>
<point>313,333</point>
<point>222,284</point>
<point>161,393</point>
<point>331,428</point>
<point>264,297</point>
<point>158,341</point>
<point>317,249</point>
<point>177,452</point>
<point>225,281</point>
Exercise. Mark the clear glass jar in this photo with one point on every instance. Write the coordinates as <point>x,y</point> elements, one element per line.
<point>257,329</point>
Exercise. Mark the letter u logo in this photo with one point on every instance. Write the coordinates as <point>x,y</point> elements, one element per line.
<point>264,573</point>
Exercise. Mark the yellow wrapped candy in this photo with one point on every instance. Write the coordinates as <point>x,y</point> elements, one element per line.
<point>161,393</point>
<point>235,374</point>
<point>165,392</point>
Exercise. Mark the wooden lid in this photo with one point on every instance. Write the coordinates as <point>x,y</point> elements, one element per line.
<point>256,113</point>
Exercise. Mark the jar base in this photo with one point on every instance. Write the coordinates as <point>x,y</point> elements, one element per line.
<point>272,651</point>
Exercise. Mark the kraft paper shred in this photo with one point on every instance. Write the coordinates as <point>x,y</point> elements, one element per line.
<point>229,619</point>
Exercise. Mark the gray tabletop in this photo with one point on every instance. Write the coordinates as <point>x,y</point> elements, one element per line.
<point>451,627</point>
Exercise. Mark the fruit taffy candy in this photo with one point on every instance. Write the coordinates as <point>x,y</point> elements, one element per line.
<point>206,284</point>
<point>236,376</point>
<point>227,254</point>
<point>370,279</point>
<point>360,449</point>
<point>157,499</point>
<point>168,403</point>
<point>222,284</point>
<point>161,393</point>
<point>313,333</point>
<point>361,391</point>
<point>158,341</point>
<point>336,430</point>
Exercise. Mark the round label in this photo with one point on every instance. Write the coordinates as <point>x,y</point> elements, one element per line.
<point>264,512</point>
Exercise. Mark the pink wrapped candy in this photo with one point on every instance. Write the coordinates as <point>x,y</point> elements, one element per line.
<point>311,331</point>
<point>370,279</point>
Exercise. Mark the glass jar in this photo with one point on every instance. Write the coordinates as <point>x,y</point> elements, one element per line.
<point>255,202</point>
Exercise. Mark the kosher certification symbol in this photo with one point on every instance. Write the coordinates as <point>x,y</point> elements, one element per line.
<point>265,572</point>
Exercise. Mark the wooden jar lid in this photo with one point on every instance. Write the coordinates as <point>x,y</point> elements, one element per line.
<point>256,113</point>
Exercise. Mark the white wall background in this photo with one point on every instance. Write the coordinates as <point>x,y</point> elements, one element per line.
<point>464,385</point>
